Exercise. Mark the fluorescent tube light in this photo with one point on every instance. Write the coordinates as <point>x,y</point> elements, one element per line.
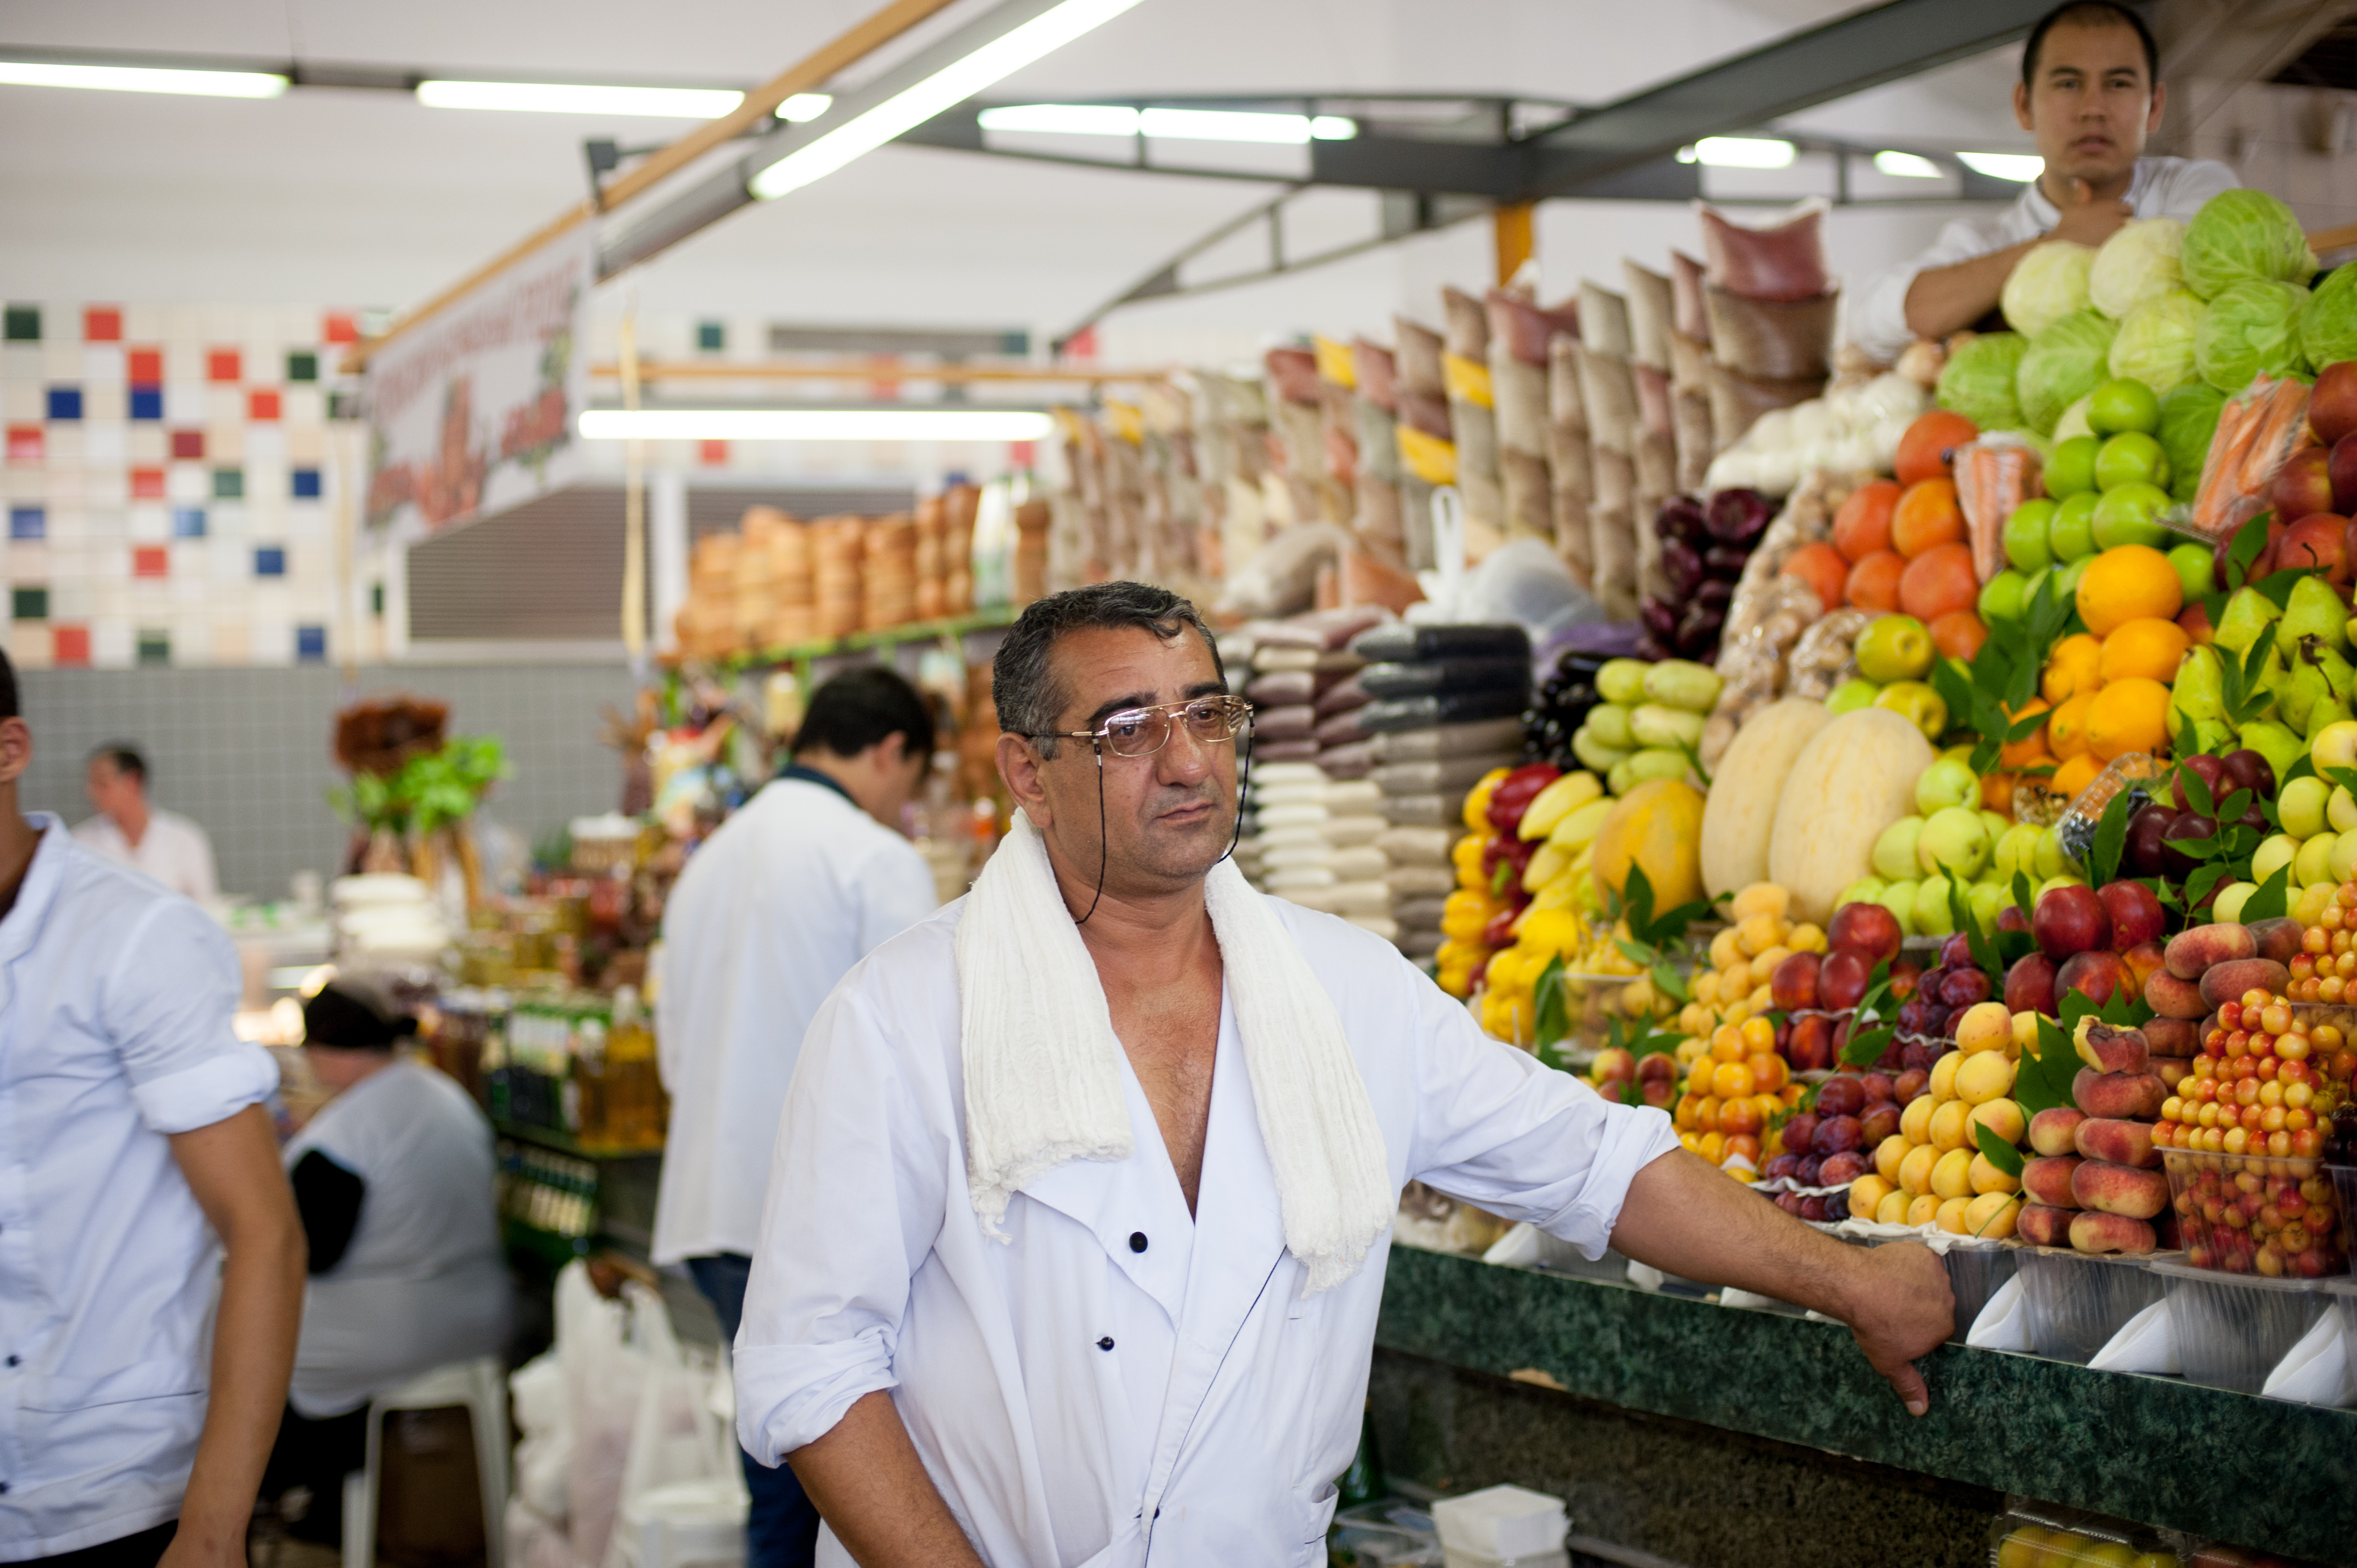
<point>143,79</point>
<point>1224,125</point>
<point>804,106</point>
<point>1063,119</point>
<point>1739,151</point>
<point>564,98</point>
<point>1332,128</point>
<point>1906,166</point>
<point>1000,57</point>
<point>1175,125</point>
<point>2018,167</point>
<point>815,424</point>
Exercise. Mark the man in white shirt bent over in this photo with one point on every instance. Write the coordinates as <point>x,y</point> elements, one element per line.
<point>791,892</point>
<point>1076,1230</point>
<point>2090,93</point>
<point>130,830</point>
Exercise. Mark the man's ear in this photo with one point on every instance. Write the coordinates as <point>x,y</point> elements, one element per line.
<point>15,749</point>
<point>1018,765</point>
<point>2159,104</point>
<point>2022,106</point>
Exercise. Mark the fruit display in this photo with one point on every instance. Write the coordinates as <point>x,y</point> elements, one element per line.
<point>1704,547</point>
<point>1646,722</point>
<point>1932,1168</point>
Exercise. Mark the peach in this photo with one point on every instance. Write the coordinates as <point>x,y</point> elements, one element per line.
<point>2054,1131</point>
<point>2047,1180</point>
<point>2107,1049</point>
<point>2171,1070</point>
<point>2117,1189</point>
<point>2224,983</point>
<point>2190,954</point>
<point>2121,1142</point>
<point>2133,1095</point>
<point>2173,998</point>
<point>2043,1226</point>
<point>2110,1233</point>
<point>1993,1215</point>
<point>2277,938</point>
<point>2173,1036</point>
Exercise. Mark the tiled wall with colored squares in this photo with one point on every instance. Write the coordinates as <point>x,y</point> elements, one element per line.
<point>166,482</point>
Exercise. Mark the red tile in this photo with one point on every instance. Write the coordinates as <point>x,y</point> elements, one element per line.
<point>262,403</point>
<point>147,369</point>
<point>712,453</point>
<point>101,323</point>
<point>339,328</point>
<point>69,645</point>
<point>188,445</point>
<point>151,560</point>
<point>146,484</point>
<point>225,365</point>
<point>25,444</point>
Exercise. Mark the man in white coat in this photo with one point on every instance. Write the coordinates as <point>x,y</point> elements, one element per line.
<point>1076,1227</point>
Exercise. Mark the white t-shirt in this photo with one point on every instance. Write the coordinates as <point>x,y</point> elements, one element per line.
<point>422,1282</point>
<point>115,999</point>
<point>772,910</point>
<point>1121,1383</point>
<point>2160,187</point>
<point>174,851</point>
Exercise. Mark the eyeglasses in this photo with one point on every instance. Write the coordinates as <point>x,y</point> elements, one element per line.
<point>1142,732</point>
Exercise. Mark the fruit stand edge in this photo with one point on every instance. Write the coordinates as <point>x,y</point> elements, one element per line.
<point>2156,1450</point>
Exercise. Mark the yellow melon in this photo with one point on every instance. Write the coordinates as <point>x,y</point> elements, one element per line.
<point>1657,825</point>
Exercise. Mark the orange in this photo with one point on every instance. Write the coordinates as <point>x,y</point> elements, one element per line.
<point>1937,580</point>
<point>1822,567</point>
<point>1928,449</point>
<point>2066,732</point>
<point>2126,582</point>
<point>1927,515</point>
<point>1996,793</point>
<point>1874,581</point>
<point>2128,716</point>
<point>2024,753</point>
<point>2075,665</point>
<point>1958,634</point>
<point>2146,646</point>
<point>2075,775</point>
<point>1861,526</point>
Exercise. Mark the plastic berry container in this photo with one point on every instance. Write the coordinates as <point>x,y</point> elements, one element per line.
<point>2260,1216</point>
<point>2077,1301</point>
<point>2230,1332</point>
<point>2031,1534</point>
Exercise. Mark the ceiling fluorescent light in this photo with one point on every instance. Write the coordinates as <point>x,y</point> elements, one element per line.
<point>1226,125</point>
<point>1175,125</point>
<point>1739,151</point>
<point>1332,128</point>
<point>2019,167</point>
<point>143,79</point>
<point>815,424</point>
<point>1906,166</point>
<point>1063,119</point>
<point>562,98</point>
<point>1000,57</point>
<point>804,106</point>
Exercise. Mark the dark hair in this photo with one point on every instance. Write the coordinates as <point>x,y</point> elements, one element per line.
<point>8,709</point>
<point>2090,13</point>
<point>348,1018</point>
<point>124,758</point>
<point>1020,682</point>
<point>859,707</point>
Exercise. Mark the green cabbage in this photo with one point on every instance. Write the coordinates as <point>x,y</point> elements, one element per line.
<point>2328,327</point>
<point>2063,364</point>
<point>2250,329</point>
<point>2189,418</point>
<point>2244,236</point>
<point>2156,341</point>
<point>2137,263</point>
<point>1978,381</point>
<point>2047,285</point>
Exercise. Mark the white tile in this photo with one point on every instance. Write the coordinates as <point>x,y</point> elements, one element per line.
<point>224,405</point>
<point>103,365</point>
<point>225,443</point>
<point>68,523</point>
<point>184,325</point>
<point>110,594</point>
<point>265,443</point>
<point>189,484</point>
<point>306,444</point>
<point>192,639</point>
<point>65,482</point>
<point>270,640</point>
<point>23,401</point>
<point>28,561</point>
<point>113,643</point>
<point>107,402</point>
<point>303,404</point>
<point>149,524</point>
<point>60,355</point>
<point>232,563</point>
<point>105,525</point>
<point>149,444</point>
<point>143,324</point>
<point>231,641</point>
<point>106,442</point>
<point>184,397</point>
<point>72,599</point>
<point>308,523</point>
<point>26,483</point>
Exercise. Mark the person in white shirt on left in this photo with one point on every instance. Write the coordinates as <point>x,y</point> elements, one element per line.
<point>130,831</point>
<point>151,1263</point>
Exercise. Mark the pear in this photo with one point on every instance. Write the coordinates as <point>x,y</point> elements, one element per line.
<point>2249,613</point>
<point>2328,712</point>
<point>2313,610</point>
<point>2338,674</point>
<point>2301,695</point>
<point>2199,691</point>
<point>2279,746</point>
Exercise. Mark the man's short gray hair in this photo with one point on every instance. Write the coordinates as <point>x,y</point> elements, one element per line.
<point>1020,682</point>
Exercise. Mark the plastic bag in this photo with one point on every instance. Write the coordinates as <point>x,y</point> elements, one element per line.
<point>683,1430</point>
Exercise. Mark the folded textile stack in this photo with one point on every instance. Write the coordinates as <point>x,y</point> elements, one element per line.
<point>1421,433</point>
<point>1473,420</point>
<point>1444,706</point>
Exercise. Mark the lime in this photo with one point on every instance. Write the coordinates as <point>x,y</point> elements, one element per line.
<point>2131,457</point>
<point>2124,405</point>
<point>2071,533</point>
<point>2073,467</point>
<point>2195,566</point>
<point>2003,598</point>
<point>2124,514</point>
<point>2025,535</point>
<point>2030,586</point>
<point>1857,692</point>
<point>2066,580</point>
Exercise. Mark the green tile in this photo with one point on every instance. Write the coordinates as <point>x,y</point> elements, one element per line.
<point>24,324</point>
<point>28,604</point>
<point>154,646</point>
<point>229,483</point>
<point>376,598</point>
<point>711,337</point>
<point>302,365</point>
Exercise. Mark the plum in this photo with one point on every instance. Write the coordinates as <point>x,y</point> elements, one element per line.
<point>1837,1135</point>
<point>1789,1202</point>
<point>1844,1095</point>
<point>2249,769</point>
<point>1913,1082</point>
<point>2011,919</point>
<point>2190,827</point>
<point>1956,951</point>
<point>1963,988</point>
<point>2144,852</point>
<point>1868,930</point>
<point>2030,985</point>
<point>1877,1086</point>
<point>1842,978</point>
<point>1792,984</point>
<point>1878,1121</point>
<point>2211,770</point>
<point>1812,1208</point>
<point>1810,1164</point>
<point>1840,1170</point>
<point>1800,1130</point>
<point>1915,1061</point>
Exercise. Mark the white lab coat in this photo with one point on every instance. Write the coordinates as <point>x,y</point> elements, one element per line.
<point>173,850</point>
<point>1123,1383</point>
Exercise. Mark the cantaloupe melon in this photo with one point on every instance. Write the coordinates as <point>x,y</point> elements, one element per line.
<point>1855,778</point>
<point>1657,825</point>
<point>1740,815</point>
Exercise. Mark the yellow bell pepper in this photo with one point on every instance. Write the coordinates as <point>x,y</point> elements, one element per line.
<point>1552,931</point>
<point>1466,912</point>
<point>1465,854</point>
<point>1477,802</point>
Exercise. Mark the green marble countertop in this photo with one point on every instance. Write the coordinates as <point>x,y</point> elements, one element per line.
<point>2161,1451</point>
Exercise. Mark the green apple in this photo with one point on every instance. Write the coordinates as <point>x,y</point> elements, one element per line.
<point>2030,586</point>
<point>2334,746</point>
<point>2195,569</point>
<point>2341,809</point>
<point>2123,404</point>
<point>2300,806</point>
<point>1998,823</point>
<point>1898,897</point>
<point>1894,849</point>
<point>2228,909</point>
<point>2124,514</point>
<point>1987,900</point>
<point>2025,534</point>
<point>1933,916</point>
<point>2068,879</point>
<point>1954,840</point>
<point>2071,533</point>
<point>1855,693</point>
<point>2273,855</point>
<point>2314,861</point>
<point>2016,850</point>
<point>1918,704</point>
<point>2131,457</point>
<point>1894,648</point>
<point>2004,597</point>
<point>1949,781</point>
<point>1864,890</point>
<point>2341,861</point>
<point>2050,862</point>
<point>2072,470</point>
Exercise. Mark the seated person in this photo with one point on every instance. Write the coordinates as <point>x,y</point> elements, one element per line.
<point>393,1179</point>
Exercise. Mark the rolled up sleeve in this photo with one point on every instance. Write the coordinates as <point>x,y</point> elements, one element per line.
<point>1876,315</point>
<point>169,1006</point>
<point>1497,1130</point>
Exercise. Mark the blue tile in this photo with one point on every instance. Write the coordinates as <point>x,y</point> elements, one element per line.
<point>306,484</point>
<point>28,522</point>
<point>269,561</point>
<point>188,523</point>
<point>65,403</point>
<point>146,402</point>
<point>311,644</point>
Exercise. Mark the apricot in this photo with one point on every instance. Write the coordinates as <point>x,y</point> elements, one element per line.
<point>2119,1143</point>
<point>2224,983</point>
<point>1950,1214</point>
<point>2108,1188</point>
<point>2111,1233</point>
<point>1892,1209</point>
<point>1993,1214</point>
<point>1951,1124</point>
<point>1943,1076</point>
<point>2135,1096</point>
<point>1986,1176</point>
<point>2190,954</point>
<point>2171,997</point>
<point>2107,1049</point>
<point>1985,1076</point>
<point>2054,1131</point>
<point>2041,1225</point>
<point>1888,1154</point>
<point>2047,1180</point>
<point>1952,1177</point>
<point>2003,1118</point>
<point>1915,1122</point>
<point>1986,1026</point>
<point>1939,582</point>
<point>1915,1170</point>
<point>1921,1209</point>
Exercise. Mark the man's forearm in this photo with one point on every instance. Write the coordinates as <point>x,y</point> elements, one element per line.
<point>873,1491</point>
<point>1684,1218</point>
<point>253,1355</point>
<point>1948,299</point>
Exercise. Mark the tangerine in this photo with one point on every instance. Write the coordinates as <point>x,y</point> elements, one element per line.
<point>2066,730</point>
<point>1937,580</point>
<point>1928,449</point>
<point>1996,793</point>
<point>2128,716</point>
<point>2075,665</point>
<point>1874,581</point>
<point>2075,775</point>
<point>2125,582</point>
<point>1959,634</point>
<point>2146,646</point>
<point>2024,752</point>
<point>1822,567</point>
<point>1861,526</point>
<point>1926,516</point>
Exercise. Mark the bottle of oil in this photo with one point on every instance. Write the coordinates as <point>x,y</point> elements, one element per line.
<point>635,1110</point>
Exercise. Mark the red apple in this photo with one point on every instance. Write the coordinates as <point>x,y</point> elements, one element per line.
<point>2194,621</point>
<point>2135,912</point>
<point>2303,485</point>
<point>2011,919</point>
<point>1615,1064</point>
<point>1793,982</point>
<point>1844,976</point>
<point>1868,930</point>
<point>2211,770</point>
<point>2343,468</point>
<point>2098,975</point>
<point>2332,405</point>
<point>2070,920</point>
<point>2318,541</point>
<point>2030,985</point>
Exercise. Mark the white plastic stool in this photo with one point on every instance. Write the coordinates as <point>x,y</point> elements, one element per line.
<point>688,1524</point>
<point>480,1386</point>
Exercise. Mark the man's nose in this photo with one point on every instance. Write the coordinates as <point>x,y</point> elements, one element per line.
<point>1185,757</point>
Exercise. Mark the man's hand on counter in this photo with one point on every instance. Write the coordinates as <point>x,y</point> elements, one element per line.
<point>1899,1306</point>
